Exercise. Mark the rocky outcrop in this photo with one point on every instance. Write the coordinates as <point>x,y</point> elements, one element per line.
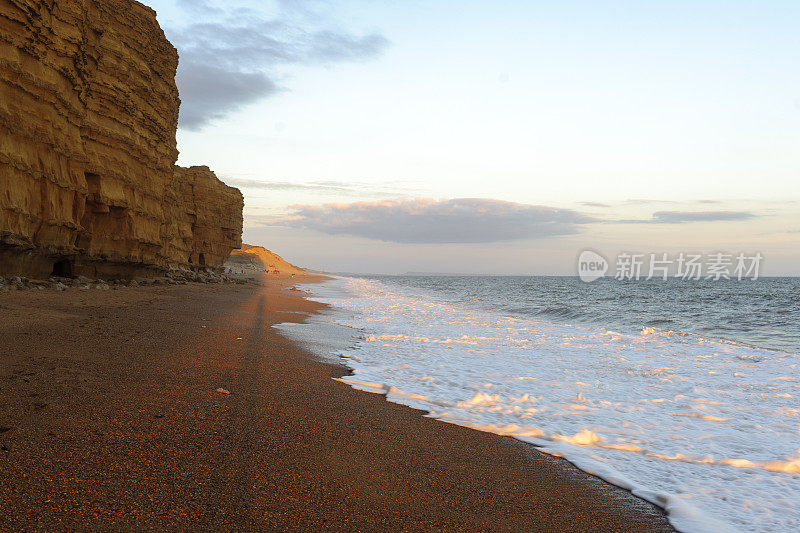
<point>88,115</point>
<point>204,218</point>
<point>257,259</point>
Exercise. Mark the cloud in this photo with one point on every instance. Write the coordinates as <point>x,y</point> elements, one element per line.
<point>199,6</point>
<point>678,217</point>
<point>683,217</point>
<point>595,204</point>
<point>645,201</point>
<point>231,58</point>
<point>332,186</point>
<point>463,220</point>
<point>322,187</point>
<point>203,101</point>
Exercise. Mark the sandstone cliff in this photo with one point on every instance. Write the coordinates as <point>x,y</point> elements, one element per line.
<point>255,259</point>
<point>88,115</point>
<point>204,218</point>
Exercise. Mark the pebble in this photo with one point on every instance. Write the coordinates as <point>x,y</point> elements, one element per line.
<point>175,277</point>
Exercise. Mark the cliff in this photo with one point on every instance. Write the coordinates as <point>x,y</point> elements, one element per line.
<point>204,218</point>
<point>88,116</point>
<point>254,259</point>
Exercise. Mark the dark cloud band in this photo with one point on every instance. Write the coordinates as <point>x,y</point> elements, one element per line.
<point>687,217</point>
<point>229,60</point>
<point>464,220</point>
<point>678,217</point>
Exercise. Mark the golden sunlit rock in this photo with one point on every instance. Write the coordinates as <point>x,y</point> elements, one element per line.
<point>88,116</point>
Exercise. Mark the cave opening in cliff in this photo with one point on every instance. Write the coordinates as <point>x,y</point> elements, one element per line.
<point>62,268</point>
<point>202,259</point>
<point>92,184</point>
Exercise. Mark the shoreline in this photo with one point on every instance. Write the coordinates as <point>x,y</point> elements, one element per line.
<point>110,418</point>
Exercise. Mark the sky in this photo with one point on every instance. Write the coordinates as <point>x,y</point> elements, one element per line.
<point>502,137</point>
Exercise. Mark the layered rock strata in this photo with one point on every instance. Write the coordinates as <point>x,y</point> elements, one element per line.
<point>88,116</point>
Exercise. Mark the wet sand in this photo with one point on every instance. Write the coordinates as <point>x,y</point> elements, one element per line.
<point>110,420</point>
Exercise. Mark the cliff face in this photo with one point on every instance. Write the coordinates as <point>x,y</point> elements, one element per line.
<point>88,115</point>
<point>205,218</point>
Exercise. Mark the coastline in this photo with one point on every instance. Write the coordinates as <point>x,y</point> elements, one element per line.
<point>110,419</point>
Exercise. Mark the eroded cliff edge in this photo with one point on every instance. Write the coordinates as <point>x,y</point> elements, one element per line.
<point>88,116</point>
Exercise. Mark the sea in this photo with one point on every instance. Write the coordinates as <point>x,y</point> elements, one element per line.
<point>686,392</point>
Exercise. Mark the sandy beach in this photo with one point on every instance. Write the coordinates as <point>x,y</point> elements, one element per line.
<point>110,419</point>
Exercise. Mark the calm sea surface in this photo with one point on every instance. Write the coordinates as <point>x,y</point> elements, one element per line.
<point>763,312</point>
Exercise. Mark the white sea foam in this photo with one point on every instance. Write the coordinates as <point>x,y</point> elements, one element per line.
<point>708,429</point>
